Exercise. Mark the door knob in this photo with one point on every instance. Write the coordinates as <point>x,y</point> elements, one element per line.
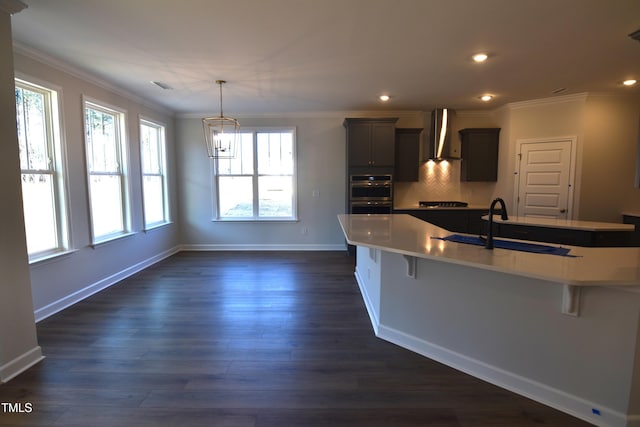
<point>563,210</point>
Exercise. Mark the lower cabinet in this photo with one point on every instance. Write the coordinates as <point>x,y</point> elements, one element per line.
<point>635,220</point>
<point>562,236</point>
<point>470,221</point>
<point>455,220</point>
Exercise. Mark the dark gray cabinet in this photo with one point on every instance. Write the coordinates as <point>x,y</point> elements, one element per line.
<point>635,220</point>
<point>370,142</point>
<point>563,236</point>
<point>407,164</point>
<point>466,220</point>
<point>479,152</point>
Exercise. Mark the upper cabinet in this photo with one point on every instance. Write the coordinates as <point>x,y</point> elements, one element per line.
<point>407,154</point>
<point>370,142</point>
<point>479,149</point>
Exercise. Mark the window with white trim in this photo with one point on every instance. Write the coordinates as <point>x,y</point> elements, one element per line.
<point>107,172</point>
<point>260,182</point>
<point>154,180</point>
<point>42,169</point>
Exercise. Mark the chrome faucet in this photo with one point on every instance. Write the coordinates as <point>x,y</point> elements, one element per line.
<point>503,210</point>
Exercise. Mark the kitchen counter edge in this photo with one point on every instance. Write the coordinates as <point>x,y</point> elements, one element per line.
<point>406,235</point>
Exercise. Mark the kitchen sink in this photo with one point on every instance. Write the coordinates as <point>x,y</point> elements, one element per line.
<point>508,244</point>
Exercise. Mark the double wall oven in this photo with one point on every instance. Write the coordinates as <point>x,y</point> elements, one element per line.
<point>370,193</point>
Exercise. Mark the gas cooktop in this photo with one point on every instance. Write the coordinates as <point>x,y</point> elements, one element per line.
<point>442,204</point>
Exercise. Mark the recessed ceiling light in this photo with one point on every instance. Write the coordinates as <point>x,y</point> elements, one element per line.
<point>629,82</point>
<point>384,98</point>
<point>486,98</point>
<point>480,57</point>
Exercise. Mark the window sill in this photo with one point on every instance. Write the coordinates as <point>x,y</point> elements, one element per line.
<point>157,226</point>
<point>256,220</point>
<point>50,257</point>
<point>111,239</point>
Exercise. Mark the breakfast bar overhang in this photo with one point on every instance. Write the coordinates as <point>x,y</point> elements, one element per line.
<point>562,330</point>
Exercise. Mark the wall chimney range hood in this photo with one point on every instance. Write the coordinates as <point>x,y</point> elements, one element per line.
<point>439,144</point>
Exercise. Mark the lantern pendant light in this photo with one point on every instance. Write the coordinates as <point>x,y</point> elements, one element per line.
<point>221,134</point>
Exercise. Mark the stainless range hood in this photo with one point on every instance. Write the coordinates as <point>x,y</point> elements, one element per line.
<point>439,144</point>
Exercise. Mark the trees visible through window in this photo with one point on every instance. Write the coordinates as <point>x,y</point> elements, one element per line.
<point>260,182</point>
<point>105,150</point>
<point>154,184</point>
<point>42,169</point>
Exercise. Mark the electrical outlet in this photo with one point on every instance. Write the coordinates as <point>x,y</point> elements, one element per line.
<point>315,193</point>
<point>304,231</point>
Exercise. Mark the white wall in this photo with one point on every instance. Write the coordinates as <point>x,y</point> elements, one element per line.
<point>606,128</point>
<point>18,343</point>
<point>510,331</point>
<point>59,282</point>
<point>612,125</point>
<point>321,166</point>
<point>545,118</point>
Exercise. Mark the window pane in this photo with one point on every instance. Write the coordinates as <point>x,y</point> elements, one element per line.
<point>102,141</point>
<point>275,196</point>
<point>106,205</point>
<point>150,140</point>
<point>153,200</point>
<point>275,153</point>
<point>235,196</point>
<point>39,212</point>
<point>32,129</point>
<point>242,163</point>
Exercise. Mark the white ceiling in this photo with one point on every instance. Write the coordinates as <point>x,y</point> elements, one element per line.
<point>295,56</point>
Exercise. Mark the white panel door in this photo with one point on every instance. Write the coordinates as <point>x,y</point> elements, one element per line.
<point>544,178</point>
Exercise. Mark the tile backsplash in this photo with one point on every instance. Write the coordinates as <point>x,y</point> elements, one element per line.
<point>441,181</point>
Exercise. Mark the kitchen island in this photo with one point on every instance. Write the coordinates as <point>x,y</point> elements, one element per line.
<point>562,330</point>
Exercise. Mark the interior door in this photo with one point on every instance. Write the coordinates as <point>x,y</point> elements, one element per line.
<point>544,178</point>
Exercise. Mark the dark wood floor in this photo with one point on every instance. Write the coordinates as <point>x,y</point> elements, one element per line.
<point>245,339</point>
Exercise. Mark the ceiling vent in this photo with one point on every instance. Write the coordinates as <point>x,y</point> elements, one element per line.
<point>161,85</point>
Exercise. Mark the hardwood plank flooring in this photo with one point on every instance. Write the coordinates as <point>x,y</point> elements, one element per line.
<point>246,339</point>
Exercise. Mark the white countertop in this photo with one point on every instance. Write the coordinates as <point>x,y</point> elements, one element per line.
<point>407,235</point>
<point>568,224</point>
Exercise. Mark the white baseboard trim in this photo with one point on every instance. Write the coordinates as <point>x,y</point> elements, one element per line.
<point>262,247</point>
<point>69,300</point>
<point>373,316</point>
<point>20,364</point>
<point>539,392</point>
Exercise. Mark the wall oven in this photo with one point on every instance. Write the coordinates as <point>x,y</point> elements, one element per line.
<point>371,194</point>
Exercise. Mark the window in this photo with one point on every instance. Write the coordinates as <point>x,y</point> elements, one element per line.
<point>106,165</point>
<point>154,182</point>
<point>260,182</point>
<point>42,169</point>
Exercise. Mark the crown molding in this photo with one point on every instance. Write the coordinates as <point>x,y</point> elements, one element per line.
<point>340,114</point>
<point>12,6</point>
<point>578,97</point>
<point>65,67</point>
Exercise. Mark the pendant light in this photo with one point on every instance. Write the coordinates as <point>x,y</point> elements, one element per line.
<point>221,134</point>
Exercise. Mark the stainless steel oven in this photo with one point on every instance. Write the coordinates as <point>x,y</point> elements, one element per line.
<point>373,207</point>
<point>371,193</point>
<point>371,187</point>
